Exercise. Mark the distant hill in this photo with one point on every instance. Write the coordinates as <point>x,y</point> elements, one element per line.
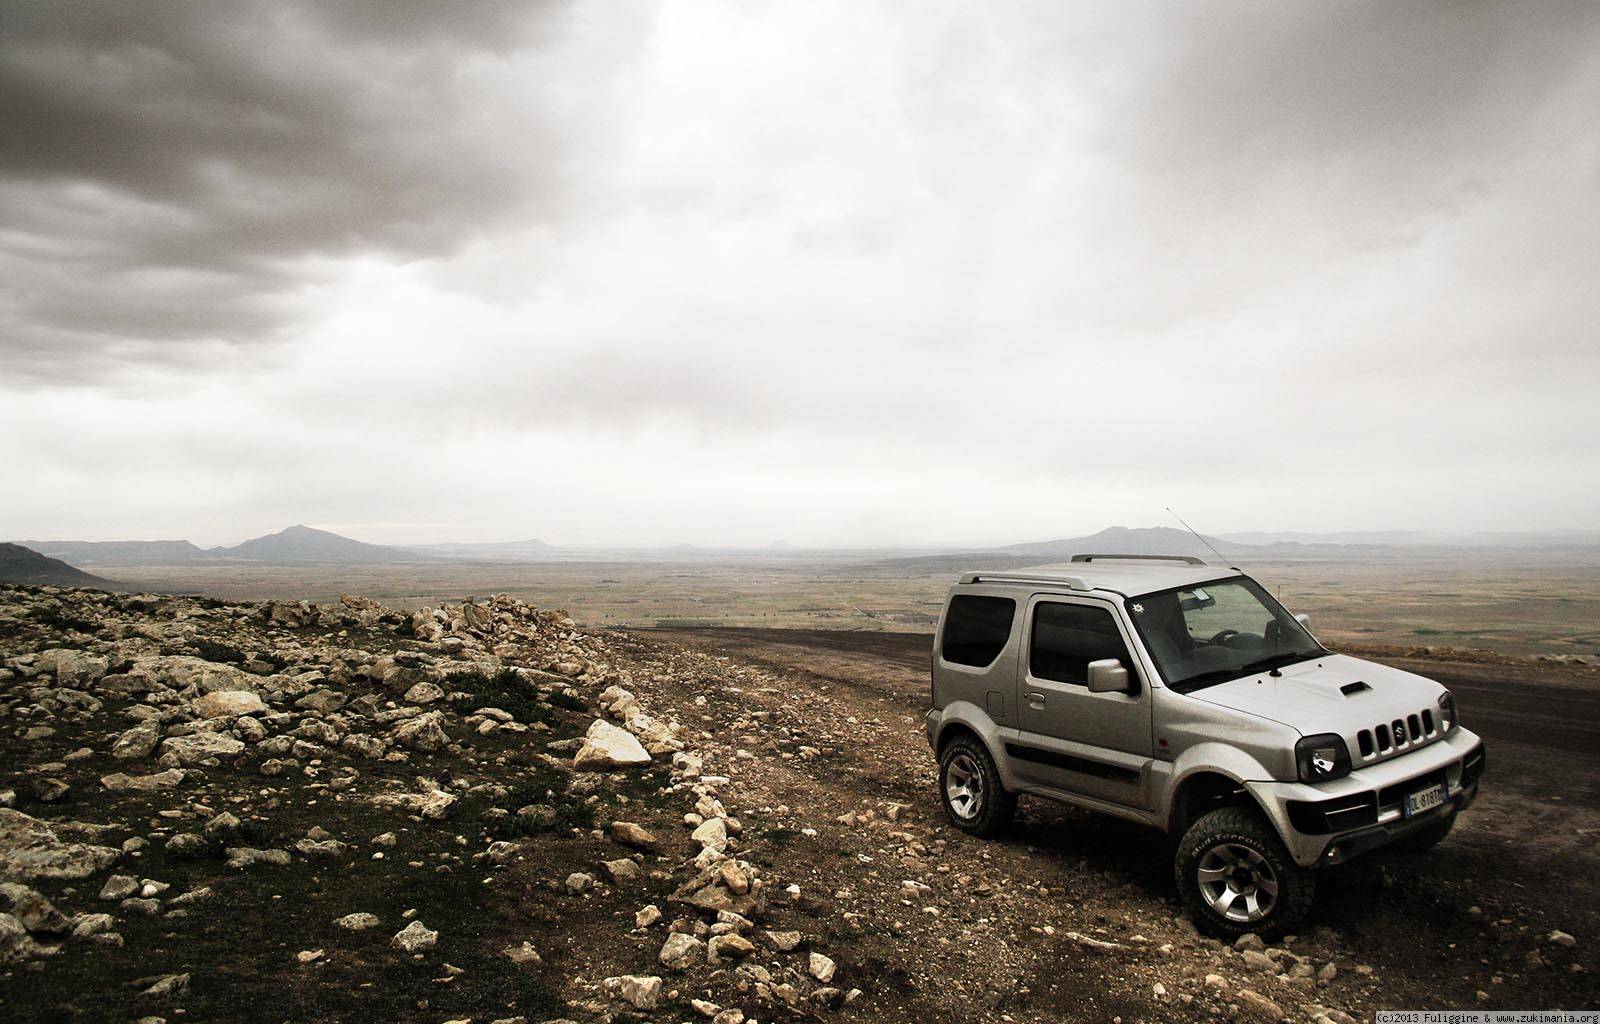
<point>306,545</point>
<point>297,545</point>
<point>1553,539</point>
<point>120,552</point>
<point>24,565</point>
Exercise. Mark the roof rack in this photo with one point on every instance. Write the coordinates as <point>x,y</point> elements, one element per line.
<point>1073,582</point>
<point>1186,559</point>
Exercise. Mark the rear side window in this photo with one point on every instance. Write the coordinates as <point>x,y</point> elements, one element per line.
<point>976,629</point>
<point>1066,637</point>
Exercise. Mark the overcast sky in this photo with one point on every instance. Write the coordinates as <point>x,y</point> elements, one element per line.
<point>832,273</point>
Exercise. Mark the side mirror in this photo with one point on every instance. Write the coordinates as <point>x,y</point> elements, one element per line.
<point>1303,619</point>
<point>1108,676</point>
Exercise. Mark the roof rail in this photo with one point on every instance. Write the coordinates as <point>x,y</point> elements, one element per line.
<point>1186,559</point>
<point>1073,582</point>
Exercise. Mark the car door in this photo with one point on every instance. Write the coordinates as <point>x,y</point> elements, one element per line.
<point>1096,744</point>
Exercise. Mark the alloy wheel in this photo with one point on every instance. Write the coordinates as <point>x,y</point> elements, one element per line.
<point>1237,882</point>
<point>963,787</point>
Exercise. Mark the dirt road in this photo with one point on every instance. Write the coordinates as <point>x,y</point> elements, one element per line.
<point>1463,926</point>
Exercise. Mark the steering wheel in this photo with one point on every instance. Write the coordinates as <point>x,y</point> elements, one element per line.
<point>1222,637</point>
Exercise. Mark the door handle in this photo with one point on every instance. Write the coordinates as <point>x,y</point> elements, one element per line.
<point>1035,699</point>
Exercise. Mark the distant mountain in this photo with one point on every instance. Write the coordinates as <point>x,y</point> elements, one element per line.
<point>1120,540</point>
<point>24,565</point>
<point>294,546</point>
<point>303,544</point>
<point>120,552</point>
<point>1423,539</point>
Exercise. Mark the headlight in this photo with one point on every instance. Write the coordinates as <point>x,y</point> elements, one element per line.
<point>1447,711</point>
<point>1322,758</point>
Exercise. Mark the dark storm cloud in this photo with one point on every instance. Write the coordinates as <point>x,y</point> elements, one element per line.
<point>166,170</point>
<point>1338,92</point>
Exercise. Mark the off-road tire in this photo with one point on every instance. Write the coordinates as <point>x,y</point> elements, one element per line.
<point>1426,838</point>
<point>995,807</point>
<point>1242,827</point>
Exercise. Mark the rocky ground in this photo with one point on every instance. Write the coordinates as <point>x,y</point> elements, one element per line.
<point>291,812</point>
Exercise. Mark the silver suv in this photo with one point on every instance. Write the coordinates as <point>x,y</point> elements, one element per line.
<point>1169,692</point>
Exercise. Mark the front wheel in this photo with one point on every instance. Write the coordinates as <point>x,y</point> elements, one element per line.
<point>1237,877</point>
<point>969,787</point>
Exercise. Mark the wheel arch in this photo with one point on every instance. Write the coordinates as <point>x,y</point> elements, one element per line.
<point>1204,790</point>
<point>955,730</point>
<point>963,718</point>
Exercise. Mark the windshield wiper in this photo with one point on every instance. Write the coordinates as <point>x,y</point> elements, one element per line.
<point>1277,661</point>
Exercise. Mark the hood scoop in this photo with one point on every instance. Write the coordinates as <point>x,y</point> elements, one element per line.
<point>1351,689</point>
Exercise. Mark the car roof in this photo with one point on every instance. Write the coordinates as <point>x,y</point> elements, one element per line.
<point>1129,578</point>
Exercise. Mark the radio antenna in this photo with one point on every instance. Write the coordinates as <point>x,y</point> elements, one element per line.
<point>1202,540</point>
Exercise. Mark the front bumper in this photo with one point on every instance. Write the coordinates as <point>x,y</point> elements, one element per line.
<point>1331,822</point>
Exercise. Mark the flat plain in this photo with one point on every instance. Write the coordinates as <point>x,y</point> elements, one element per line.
<point>1527,602</point>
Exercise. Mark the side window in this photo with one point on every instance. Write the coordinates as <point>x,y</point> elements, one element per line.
<point>1066,637</point>
<point>976,629</point>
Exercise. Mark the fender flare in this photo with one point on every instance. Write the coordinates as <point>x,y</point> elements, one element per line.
<point>1217,758</point>
<point>967,716</point>
<point>1220,759</point>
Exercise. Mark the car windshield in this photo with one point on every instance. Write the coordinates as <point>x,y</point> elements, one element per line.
<point>1212,632</point>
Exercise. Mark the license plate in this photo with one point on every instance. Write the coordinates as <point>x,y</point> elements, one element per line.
<point>1424,800</point>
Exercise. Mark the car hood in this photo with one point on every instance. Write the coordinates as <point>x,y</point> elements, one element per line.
<point>1311,697</point>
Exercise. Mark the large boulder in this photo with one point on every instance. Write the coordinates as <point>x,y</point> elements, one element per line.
<point>14,941</point>
<point>75,669</point>
<point>630,834</point>
<point>197,747</point>
<point>120,782</point>
<point>424,732</point>
<point>139,741</point>
<point>714,889</point>
<point>30,848</point>
<point>242,857</point>
<point>415,938</point>
<point>182,670</point>
<point>370,747</point>
<point>229,704</point>
<point>424,626</point>
<point>29,906</point>
<point>291,614</point>
<point>433,804</point>
<point>424,693</point>
<point>605,746</point>
<point>681,951</point>
<point>322,701</point>
<point>641,991</point>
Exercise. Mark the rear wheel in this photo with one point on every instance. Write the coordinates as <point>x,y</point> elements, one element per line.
<point>1237,877</point>
<point>969,788</point>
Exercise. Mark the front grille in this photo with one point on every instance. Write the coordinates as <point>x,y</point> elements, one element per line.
<point>1397,736</point>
